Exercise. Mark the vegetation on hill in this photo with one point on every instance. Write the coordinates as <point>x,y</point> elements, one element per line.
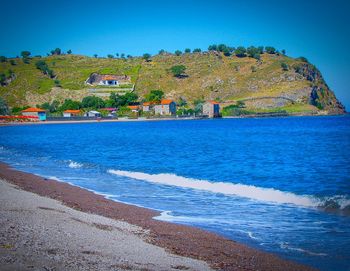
<point>262,77</point>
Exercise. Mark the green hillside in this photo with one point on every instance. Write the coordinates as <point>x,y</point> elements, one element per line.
<point>262,85</point>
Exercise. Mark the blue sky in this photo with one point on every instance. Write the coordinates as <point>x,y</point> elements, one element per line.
<point>318,30</point>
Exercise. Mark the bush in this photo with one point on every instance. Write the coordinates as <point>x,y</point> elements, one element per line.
<point>25,54</point>
<point>155,95</point>
<point>178,70</point>
<point>213,47</point>
<point>197,50</point>
<point>161,52</point>
<point>2,79</point>
<point>187,50</point>
<point>3,59</point>
<point>240,51</point>
<point>57,51</point>
<point>178,52</point>
<point>69,104</point>
<point>284,66</point>
<point>146,56</point>
<point>12,62</point>
<point>93,102</point>
<point>69,52</point>
<point>41,65</point>
<point>270,50</point>
<point>110,56</point>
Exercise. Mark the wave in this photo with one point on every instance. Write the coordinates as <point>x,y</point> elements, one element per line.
<point>236,189</point>
<point>311,253</point>
<point>73,164</point>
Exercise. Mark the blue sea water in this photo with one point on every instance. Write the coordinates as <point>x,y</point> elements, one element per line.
<point>281,185</point>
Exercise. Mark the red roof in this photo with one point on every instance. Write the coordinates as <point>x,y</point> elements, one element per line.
<point>109,109</point>
<point>133,107</point>
<point>34,109</point>
<point>166,101</point>
<point>72,111</point>
<point>146,103</point>
<point>213,102</point>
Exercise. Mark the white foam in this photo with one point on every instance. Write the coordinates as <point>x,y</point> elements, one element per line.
<point>73,164</point>
<point>286,246</point>
<point>241,190</point>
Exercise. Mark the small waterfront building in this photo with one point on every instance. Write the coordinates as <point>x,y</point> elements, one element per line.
<point>134,108</point>
<point>36,113</point>
<point>71,113</point>
<point>211,109</point>
<point>109,80</point>
<point>146,107</point>
<point>166,107</point>
<point>111,111</point>
<point>93,114</point>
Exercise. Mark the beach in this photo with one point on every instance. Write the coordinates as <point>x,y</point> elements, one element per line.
<point>56,226</point>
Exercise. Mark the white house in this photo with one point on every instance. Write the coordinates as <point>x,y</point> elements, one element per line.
<point>93,114</point>
<point>109,80</point>
<point>71,113</point>
<point>166,107</point>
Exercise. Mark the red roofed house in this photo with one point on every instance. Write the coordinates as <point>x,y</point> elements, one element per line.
<point>36,113</point>
<point>146,107</point>
<point>211,109</point>
<point>134,108</point>
<point>71,113</point>
<point>166,107</point>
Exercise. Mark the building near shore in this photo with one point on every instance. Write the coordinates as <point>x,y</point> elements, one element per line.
<point>107,79</point>
<point>134,108</point>
<point>93,114</point>
<point>71,113</point>
<point>211,109</point>
<point>147,106</point>
<point>36,113</point>
<point>112,111</point>
<point>165,107</point>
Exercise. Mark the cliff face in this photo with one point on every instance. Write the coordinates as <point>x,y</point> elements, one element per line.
<point>274,82</point>
<point>321,96</point>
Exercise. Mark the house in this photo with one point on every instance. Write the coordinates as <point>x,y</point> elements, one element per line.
<point>211,109</point>
<point>93,114</point>
<point>146,107</point>
<point>134,108</point>
<point>166,107</point>
<point>36,113</point>
<point>111,111</point>
<point>107,79</point>
<point>71,113</point>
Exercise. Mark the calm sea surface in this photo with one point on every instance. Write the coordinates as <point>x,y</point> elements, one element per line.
<point>281,185</point>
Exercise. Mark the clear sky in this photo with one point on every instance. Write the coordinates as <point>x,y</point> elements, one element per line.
<point>318,30</point>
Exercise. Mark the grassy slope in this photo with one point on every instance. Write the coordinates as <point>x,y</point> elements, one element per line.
<point>210,76</point>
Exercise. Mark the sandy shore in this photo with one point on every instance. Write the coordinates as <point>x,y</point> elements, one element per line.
<point>112,218</point>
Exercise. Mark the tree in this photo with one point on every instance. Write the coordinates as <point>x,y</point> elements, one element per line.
<point>69,104</point>
<point>226,51</point>
<point>110,56</point>
<point>261,49</point>
<point>130,97</point>
<point>25,54</point>
<point>178,70</point>
<point>187,50</point>
<point>117,54</point>
<point>283,51</point>
<point>69,52</point>
<point>129,56</point>
<point>95,55</point>
<point>4,110</point>
<point>212,47</point>
<point>222,48</point>
<point>12,62</point>
<point>2,79</point>
<point>284,66</point>
<point>41,65</point>
<point>3,59</point>
<point>253,52</point>
<point>161,52</point>
<point>122,55</point>
<point>57,51</point>
<point>182,102</point>
<point>93,102</point>
<point>155,96</point>
<point>197,50</point>
<point>270,50</point>
<point>146,57</point>
<point>178,52</point>
<point>240,51</point>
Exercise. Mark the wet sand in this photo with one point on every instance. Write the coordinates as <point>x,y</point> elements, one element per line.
<point>186,241</point>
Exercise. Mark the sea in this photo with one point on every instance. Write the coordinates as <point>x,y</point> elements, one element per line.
<point>281,185</point>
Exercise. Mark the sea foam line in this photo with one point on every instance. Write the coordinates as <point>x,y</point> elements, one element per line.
<point>241,190</point>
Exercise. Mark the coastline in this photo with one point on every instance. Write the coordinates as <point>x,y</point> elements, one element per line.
<point>187,241</point>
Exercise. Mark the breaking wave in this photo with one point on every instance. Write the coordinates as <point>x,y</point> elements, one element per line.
<point>241,190</point>
<point>73,164</point>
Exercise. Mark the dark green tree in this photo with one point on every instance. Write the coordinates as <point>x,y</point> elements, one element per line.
<point>222,48</point>
<point>110,56</point>
<point>4,110</point>
<point>187,50</point>
<point>212,47</point>
<point>155,96</point>
<point>3,58</point>
<point>270,50</point>
<point>283,51</point>
<point>284,66</point>
<point>161,52</point>
<point>69,52</point>
<point>178,70</point>
<point>12,62</point>
<point>2,79</point>
<point>57,51</point>
<point>95,55</point>
<point>240,51</point>
<point>197,50</point>
<point>25,54</point>
<point>146,57</point>
<point>92,102</point>
<point>178,52</point>
<point>69,104</point>
<point>182,102</point>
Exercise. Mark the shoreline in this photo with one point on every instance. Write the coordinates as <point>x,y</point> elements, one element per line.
<point>186,241</point>
<point>141,119</point>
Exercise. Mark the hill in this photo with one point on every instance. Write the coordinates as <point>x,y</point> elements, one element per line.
<point>263,85</point>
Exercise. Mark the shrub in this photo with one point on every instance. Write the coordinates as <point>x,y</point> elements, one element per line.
<point>3,59</point>
<point>197,50</point>
<point>57,51</point>
<point>69,52</point>
<point>213,47</point>
<point>155,95</point>
<point>178,52</point>
<point>284,66</point>
<point>270,50</point>
<point>178,70</point>
<point>12,62</point>
<point>187,50</point>
<point>240,51</point>
<point>110,56</point>
<point>4,110</point>
<point>146,56</point>
<point>161,52</point>
<point>25,54</point>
